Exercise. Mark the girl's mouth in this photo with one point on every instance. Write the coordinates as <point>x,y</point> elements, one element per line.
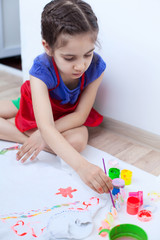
<point>77,74</point>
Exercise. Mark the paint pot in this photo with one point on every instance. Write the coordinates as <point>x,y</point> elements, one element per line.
<point>126,232</point>
<point>126,175</point>
<point>126,238</point>
<point>133,205</point>
<point>138,194</point>
<point>114,173</point>
<point>118,183</point>
<point>145,215</point>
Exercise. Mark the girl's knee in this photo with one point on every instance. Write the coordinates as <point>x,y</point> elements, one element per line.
<point>7,109</point>
<point>79,138</point>
<point>83,137</point>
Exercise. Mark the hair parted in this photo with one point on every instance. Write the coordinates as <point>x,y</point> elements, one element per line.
<point>67,17</point>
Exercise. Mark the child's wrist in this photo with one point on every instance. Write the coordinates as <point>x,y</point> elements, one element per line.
<point>81,165</point>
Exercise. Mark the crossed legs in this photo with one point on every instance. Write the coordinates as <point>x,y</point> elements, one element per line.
<point>77,137</point>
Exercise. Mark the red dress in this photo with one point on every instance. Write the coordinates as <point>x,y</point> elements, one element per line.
<point>25,119</point>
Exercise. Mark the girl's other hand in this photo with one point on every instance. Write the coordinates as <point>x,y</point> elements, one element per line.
<point>95,178</point>
<point>33,145</point>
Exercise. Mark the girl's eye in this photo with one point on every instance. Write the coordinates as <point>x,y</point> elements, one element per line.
<point>88,55</point>
<point>69,59</point>
<point>73,58</point>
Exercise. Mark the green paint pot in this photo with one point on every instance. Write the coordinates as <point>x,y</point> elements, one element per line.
<point>114,173</point>
<point>126,232</point>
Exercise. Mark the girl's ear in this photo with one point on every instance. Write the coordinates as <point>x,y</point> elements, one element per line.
<point>47,47</point>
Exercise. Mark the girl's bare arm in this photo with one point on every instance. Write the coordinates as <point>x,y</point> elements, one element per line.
<point>92,175</point>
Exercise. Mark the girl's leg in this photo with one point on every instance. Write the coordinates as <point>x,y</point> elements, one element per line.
<point>77,137</point>
<point>7,109</point>
<point>8,130</point>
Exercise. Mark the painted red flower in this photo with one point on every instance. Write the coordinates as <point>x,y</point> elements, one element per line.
<point>66,192</point>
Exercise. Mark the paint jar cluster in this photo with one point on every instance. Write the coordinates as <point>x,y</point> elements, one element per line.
<point>133,206</point>
<point>119,180</point>
<point>134,202</point>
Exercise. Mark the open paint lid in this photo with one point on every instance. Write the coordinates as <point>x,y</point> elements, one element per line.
<point>118,183</point>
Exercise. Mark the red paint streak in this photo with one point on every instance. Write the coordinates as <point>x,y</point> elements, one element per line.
<point>33,232</point>
<point>30,229</point>
<point>18,224</point>
<point>93,201</point>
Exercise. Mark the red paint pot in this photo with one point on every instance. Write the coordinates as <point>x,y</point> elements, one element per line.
<point>138,194</point>
<point>133,204</point>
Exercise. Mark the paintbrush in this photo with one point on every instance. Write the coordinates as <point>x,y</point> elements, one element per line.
<point>108,189</point>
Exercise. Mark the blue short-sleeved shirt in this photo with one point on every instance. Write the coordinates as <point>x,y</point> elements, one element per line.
<point>44,70</point>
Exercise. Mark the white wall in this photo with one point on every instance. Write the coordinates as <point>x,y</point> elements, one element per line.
<point>9,28</point>
<point>30,20</point>
<point>130,37</point>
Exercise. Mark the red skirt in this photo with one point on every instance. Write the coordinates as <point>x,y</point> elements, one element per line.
<point>25,119</point>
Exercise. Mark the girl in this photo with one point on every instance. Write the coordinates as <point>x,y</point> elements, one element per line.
<point>56,104</point>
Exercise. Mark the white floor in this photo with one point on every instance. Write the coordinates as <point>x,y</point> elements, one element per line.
<point>24,187</point>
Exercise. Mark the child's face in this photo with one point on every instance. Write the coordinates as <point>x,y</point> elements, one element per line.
<point>74,58</point>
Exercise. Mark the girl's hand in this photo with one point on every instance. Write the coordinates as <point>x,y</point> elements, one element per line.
<point>95,178</point>
<point>33,145</point>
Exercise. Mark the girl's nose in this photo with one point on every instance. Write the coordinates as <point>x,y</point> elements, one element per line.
<point>79,67</point>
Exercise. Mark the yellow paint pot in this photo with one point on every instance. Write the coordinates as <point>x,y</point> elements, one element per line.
<point>126,175</point>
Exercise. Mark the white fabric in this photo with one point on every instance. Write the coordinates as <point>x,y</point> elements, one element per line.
<point>39,187</point>
<point>65,167</point>
<point>69,224</point>
<point>30,188</point>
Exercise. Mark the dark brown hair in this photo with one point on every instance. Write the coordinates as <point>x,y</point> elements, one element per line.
<point>67,17</point>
